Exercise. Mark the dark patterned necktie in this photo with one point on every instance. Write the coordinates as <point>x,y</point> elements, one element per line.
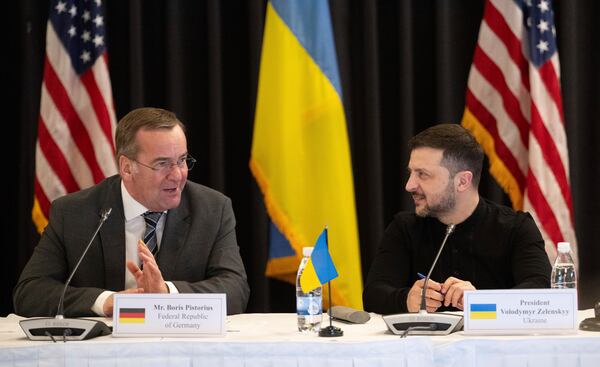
<point>151,219</point>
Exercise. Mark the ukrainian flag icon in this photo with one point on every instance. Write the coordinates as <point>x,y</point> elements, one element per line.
<point>482,311</point>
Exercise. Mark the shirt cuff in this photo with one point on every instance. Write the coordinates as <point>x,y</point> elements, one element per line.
<point>98,306</point>
<point>172,288</point>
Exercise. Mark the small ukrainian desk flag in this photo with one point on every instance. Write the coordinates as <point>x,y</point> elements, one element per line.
<point>320,268</point>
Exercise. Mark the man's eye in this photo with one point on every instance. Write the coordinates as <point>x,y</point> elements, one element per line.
<point>161,164</point>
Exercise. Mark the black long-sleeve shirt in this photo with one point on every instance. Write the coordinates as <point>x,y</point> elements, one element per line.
<point>495,248</point>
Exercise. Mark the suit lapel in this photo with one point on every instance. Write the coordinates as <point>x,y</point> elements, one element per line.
<point>112,237</point>
<point>176,228</point>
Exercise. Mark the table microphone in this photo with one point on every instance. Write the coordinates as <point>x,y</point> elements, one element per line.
<point>424,323</point>
<point>51,328</point>
<point>592,323</point>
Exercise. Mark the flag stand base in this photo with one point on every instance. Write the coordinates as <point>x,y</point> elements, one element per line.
<point>331,331</point>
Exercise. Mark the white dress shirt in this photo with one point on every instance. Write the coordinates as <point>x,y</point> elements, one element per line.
<point>135,226</point>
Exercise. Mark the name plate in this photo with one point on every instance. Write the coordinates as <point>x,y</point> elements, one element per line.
<point>138,315</point>
<point>520,311</point>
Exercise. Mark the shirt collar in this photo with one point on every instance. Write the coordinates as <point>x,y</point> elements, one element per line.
<point>474,218</point>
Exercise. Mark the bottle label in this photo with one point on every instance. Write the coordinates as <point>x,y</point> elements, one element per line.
<point>309,305</point>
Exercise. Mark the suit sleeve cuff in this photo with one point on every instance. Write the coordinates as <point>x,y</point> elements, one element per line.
<point>172,288</point>
<point>98,306</point>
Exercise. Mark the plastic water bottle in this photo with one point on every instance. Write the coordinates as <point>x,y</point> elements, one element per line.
<point>309,306</point>
<point>563,271</point>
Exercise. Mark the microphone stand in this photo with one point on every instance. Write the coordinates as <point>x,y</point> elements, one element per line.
<point>449,230</point>
<point>424,323</point>
<point>47,328</point>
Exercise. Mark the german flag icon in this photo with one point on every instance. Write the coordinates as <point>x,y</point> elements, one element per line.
<point>132,315</point>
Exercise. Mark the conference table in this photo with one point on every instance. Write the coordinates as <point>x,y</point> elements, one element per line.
<point>273,340</point>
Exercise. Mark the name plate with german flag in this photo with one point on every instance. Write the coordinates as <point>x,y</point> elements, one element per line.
<point>520,311</point>
<point>185,315</point>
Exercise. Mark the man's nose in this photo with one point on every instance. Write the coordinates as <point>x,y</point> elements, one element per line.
<point>411,184</point>
<point>176,172</point>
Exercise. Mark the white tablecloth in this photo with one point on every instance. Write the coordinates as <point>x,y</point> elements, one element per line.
<point>272,340</point>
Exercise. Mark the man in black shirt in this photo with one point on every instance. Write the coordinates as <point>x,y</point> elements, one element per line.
<point>492,247</point>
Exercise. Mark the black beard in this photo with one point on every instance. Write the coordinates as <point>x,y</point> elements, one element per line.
<point>445,206</point>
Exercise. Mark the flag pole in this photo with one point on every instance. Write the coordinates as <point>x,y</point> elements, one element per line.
<point>330,310</point>
<point>330,331</point>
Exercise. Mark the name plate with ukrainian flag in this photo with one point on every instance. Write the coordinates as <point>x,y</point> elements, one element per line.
<point>520,311</point>
<point>139,315</point>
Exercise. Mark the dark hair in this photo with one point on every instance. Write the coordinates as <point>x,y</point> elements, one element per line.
<point>461,152</point>
<point>147,118</point>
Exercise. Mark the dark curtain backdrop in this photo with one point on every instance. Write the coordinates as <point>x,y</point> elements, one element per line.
<point>404,67</point>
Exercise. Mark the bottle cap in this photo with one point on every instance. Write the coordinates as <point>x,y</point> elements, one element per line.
<point>307,251</point>
<point>563,247</point>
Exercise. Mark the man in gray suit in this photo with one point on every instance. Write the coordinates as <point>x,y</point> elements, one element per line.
<point>196,248</point>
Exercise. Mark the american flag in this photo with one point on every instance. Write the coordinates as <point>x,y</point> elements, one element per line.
<point>75,146</point>
<point>514,108</point>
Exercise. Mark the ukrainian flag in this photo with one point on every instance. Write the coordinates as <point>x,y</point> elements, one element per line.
<point>482,311</point>
<point>320,268</point>
<point>300,151</point>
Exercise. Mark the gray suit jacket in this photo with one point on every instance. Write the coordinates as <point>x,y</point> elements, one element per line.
<point>199,251</point>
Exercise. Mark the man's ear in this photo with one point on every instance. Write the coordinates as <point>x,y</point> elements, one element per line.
<point>463,180</point>
<point>125,167</point>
